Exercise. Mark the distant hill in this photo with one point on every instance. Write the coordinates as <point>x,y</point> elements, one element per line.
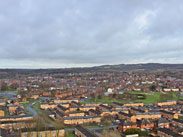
<point>104,68</point>
<point>148,66</point>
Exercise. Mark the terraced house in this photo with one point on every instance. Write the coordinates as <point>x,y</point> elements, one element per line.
<point>83,132</point>
<point>169,115</point>
<point>51,132</point>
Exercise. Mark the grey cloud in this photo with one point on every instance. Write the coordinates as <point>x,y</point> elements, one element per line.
<point>63,33</point>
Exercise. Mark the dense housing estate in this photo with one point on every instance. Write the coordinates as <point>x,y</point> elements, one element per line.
<point>72,112</point>
<point>62,100</point>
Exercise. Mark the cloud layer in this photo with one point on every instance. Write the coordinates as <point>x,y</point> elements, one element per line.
<point>61,33</point>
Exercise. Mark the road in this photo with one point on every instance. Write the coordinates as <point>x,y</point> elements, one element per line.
<point>8,94</point>
<point>32,110</point>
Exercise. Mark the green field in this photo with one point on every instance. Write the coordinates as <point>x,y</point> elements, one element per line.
<point>155,97</point>
<point>36,106</point>
<point>69,134</point>
<point>9,90</point>
<point>151,98</point>
<point>25,105</point>
<point>106,100</point>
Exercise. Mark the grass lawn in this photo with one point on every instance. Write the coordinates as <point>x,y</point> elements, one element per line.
<point>90,126</point>
<point>6,97</point>
<point>150,98</point>
<point>137,92</point>
<point>10,90</point>
<point>175,97</point>
<point>180,117</point>
<point>56,123</point>
<point>36,106</point>
<point>106,100</point>
<point>25,105</point>
<point>6,112</point>
<point>155,97</point>
<point>70,134</point>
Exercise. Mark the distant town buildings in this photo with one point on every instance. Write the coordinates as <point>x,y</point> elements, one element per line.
<point>61,98</point>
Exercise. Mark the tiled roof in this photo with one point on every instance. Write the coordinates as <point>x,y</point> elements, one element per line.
<point>169,132</point>
<point>86,132</point>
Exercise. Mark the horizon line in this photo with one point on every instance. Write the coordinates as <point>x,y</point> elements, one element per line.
<point>21,68</point>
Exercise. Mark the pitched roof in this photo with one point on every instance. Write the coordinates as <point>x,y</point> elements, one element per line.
<point>125,114</point>
<point>168,112</point>
<point>62,108</point>
<point>127,123</point>
<point>177,120</point>
<point>169,132</point>
<point>85,131</point>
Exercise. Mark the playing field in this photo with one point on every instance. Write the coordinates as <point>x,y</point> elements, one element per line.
<point>106,100</point>
<point>151,97</point>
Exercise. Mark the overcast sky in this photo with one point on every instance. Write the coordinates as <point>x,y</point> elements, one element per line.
<point>79,33</point>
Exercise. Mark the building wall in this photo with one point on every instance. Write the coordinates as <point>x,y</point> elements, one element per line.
<point>18,125</point>
<point>35,96</point>
<point>123,128</point>
<point>2,103</point>
<point>76,114</point>
<point>1,113</point>
<point>73,109</point>
<point>94,104</point>
<point>92,114</point>
<point>163,125</point>
<point>12,109</point>
<point>170,116</point>
<point>133,104</point>
<point>166,103</point>
<point>54,133</point>
<point>82,121</point>
<point>180,101</point>
<point>132,118</point>
<point>155,116</point>
<point>87,108</point>
<point>46,106</point>
<point>16,118</point>
<point>150,126</point>
<point>65,101</point>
